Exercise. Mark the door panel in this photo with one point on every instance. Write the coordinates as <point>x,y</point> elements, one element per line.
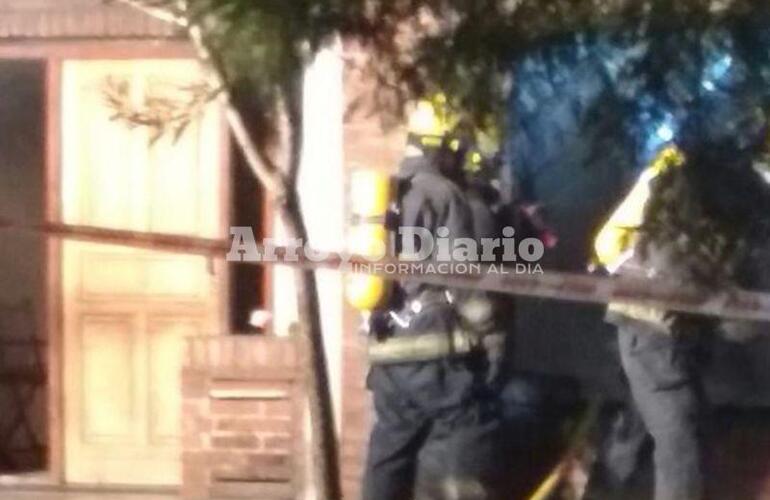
<point>127,311</point>
<point>108,353</point>
<point>165,359</point>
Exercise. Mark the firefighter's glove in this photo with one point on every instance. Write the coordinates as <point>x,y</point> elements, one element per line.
<point>477,314</point>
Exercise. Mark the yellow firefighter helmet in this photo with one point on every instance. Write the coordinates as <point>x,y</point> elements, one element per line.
<point>432,121</point>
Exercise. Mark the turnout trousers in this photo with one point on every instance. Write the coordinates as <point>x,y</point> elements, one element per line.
<point>436,435</point>
<point>663,372</point>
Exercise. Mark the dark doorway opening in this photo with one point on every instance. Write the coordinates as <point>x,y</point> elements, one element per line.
<point>23,339</point>
<point>247,282</point>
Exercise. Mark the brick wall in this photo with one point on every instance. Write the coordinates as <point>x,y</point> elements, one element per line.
<point>242,419</point>
<point>366,145</point>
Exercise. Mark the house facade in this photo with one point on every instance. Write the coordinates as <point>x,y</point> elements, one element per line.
<point>120,367</point>
<point>111,320</point>
<point>111,323</point>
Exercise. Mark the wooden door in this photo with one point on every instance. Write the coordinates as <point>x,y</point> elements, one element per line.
<point>127,311</point>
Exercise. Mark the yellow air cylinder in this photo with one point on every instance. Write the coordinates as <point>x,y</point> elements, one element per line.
<point>369,193</point>
<point>367,235</point>
<point>369,240</point>
<point>364,292</point>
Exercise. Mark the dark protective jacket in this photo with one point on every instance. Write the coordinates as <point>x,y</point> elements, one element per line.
<point>430,200</point>
<point>486,210</point>
<point>437,429</point>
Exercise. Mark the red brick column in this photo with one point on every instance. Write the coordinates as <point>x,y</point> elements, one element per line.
<point>242,419</point>
<point>366,145</point>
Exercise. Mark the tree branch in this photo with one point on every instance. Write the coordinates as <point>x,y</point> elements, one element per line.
<point>283,186</point>
<point>296,129</point>
<point>260,163</point>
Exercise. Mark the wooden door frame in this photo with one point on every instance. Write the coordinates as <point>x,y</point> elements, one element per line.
<point>52,55</point>
<point>52,281</point>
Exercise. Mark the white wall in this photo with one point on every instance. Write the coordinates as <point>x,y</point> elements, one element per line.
<point>322,185</point>
<point>322,191</point>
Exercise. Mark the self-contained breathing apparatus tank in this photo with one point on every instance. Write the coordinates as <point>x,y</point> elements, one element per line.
<point>373,225</point>
<point>370,202</point>
<point>374,207</point>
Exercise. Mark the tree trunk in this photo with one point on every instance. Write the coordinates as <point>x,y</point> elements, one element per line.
<point>324,449</point>
<point>325,453</point>
<point>324,436</point>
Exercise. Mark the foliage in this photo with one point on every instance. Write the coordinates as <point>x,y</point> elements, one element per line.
<point>416,47</point>
<point>466,49</point>
<point>680,226</point>
<point>612,98</point>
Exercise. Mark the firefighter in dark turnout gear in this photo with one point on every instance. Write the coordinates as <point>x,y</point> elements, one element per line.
<point>659,350</point>
<point>437,423</point>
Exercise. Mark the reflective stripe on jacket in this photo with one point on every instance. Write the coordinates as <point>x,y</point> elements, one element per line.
<point>616,242</point>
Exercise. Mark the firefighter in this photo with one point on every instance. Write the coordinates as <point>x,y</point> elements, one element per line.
<point>437,415</point>
<point>661,352</point>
